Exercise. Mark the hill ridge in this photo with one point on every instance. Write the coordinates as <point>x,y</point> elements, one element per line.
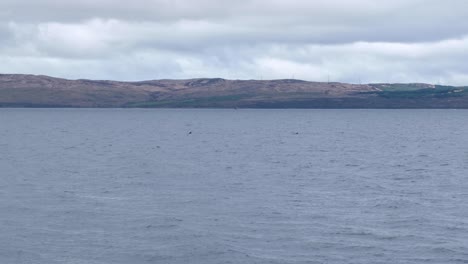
<point>27,90</point>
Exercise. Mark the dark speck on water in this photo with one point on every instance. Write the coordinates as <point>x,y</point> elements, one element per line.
<point>358,186</point>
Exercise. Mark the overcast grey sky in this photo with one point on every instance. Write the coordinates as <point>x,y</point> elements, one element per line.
<point>348,40</point>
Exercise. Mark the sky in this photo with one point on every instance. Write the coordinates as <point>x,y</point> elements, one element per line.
<point>355,41</point>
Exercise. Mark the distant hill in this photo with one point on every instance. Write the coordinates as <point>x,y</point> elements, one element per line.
<point>18,90</point>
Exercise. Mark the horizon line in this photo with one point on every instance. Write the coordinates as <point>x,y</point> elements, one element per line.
<point>214,78</point>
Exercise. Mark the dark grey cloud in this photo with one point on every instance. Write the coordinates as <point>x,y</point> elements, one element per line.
<point>399,40</point>
<point>300,20</point>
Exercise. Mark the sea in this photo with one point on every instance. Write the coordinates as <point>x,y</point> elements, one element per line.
<point>209,186</point>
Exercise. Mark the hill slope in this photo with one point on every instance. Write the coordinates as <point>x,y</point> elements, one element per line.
<point>43,91</point>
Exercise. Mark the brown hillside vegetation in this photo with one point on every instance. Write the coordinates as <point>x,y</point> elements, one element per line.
<point>44,91</point>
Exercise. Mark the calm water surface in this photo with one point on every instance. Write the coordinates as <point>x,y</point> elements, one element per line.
<point>121,186</point>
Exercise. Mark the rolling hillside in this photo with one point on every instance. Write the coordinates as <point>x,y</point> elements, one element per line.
<point>44,91</point>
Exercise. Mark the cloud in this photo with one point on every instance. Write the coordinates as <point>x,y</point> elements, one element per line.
<point>347,21</point>
<point>358,40</point>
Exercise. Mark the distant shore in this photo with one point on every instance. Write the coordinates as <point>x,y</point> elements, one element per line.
<point>34,91</point>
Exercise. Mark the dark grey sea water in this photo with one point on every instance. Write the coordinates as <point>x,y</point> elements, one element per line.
<point>112,186</point>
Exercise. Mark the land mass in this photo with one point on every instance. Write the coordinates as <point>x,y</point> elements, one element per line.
<point>18,90</point>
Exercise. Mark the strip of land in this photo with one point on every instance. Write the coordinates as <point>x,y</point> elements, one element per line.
<point>17,90</point>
